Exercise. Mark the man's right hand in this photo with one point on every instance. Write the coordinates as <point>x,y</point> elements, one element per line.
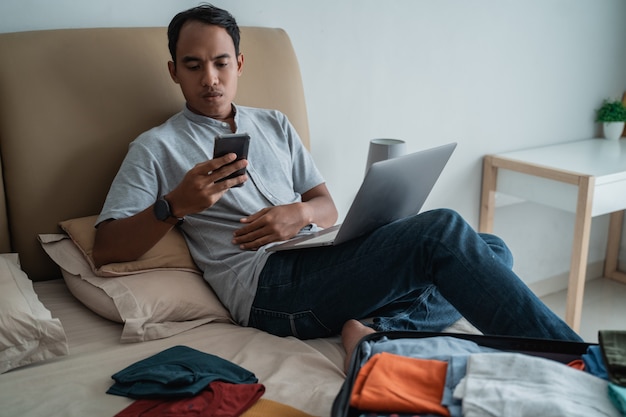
<point>123,240</point>
<point>199,190</point>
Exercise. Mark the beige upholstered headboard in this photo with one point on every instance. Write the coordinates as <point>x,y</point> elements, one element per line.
<point>71,101</point>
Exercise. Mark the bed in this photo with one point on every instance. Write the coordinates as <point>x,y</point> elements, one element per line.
<point>70,102</point>
<point>306,376</point>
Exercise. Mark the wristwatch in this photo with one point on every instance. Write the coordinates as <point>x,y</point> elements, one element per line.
<point>163,213</point>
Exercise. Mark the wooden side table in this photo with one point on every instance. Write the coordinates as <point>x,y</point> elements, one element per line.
<point>586,177</point>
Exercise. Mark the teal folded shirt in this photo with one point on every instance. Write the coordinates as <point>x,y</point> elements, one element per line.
<point>179,371</point>
<point>617,395</point>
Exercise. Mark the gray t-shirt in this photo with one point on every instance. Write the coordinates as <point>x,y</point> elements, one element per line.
<point>280,170</point>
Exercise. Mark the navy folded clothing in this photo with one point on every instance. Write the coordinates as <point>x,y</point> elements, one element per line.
<point>179,371</point>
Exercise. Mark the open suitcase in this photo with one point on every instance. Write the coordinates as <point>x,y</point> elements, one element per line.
<point>399,341</point>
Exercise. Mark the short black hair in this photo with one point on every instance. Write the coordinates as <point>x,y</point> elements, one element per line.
<point>205,13</point>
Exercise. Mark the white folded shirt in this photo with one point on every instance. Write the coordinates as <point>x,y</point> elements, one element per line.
<point>518,385</point>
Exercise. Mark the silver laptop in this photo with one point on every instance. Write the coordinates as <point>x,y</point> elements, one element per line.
<point>391,190</point>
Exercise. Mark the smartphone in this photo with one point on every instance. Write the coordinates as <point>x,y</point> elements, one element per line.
<point>237,143</point>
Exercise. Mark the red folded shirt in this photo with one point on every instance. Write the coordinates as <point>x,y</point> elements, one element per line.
<point>219,399</point>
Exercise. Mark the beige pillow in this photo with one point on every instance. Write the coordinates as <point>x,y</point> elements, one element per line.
<point>152,304</point>
<point>28,332</point>
<point>171,252</point>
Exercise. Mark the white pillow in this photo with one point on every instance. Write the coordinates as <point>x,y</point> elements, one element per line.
<point>152,305</point>
<point>28,333</point>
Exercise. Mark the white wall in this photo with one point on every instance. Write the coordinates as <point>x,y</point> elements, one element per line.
<point>494,75</point>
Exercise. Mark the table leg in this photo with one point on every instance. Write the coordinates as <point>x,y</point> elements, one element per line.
<point>488,196</point>
<point>580,251</point>
<point>612,248</point>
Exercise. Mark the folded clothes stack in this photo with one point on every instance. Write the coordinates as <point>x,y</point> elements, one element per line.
<point>181,381</point>
<point>179,371</point>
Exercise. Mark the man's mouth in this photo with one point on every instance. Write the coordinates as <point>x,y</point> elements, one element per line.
<point>211,94</point>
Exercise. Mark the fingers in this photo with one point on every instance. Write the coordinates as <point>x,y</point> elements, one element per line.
<point>212,171</point>
<point>251,245</point>
<point>251,218</point>
<point>199,189</point>
<point>255,239</point>
<point>254,234</point>
<point>263,227</point>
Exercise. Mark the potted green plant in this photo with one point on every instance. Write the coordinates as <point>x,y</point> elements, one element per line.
<point>612,115</point>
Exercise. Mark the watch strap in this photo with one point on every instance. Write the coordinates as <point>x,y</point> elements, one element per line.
<point>174,221</point>
<point>163,213</point>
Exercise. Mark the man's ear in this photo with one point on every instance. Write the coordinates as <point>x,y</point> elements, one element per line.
<point>240,64</point>
<point>172,69</point>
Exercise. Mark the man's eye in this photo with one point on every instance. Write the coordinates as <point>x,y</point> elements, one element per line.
<point>221,64</point>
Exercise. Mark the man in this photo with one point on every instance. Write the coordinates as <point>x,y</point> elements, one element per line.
<point>421,273</point>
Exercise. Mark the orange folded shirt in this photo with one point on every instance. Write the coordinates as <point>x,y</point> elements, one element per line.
<point>398,384</point>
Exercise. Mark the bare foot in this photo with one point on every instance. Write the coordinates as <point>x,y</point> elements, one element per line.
<point>353,331</point>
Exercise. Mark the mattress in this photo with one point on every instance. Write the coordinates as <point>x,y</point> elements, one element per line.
<point>306,375</point>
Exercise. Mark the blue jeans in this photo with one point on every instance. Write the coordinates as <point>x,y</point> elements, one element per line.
<point>419,273</point>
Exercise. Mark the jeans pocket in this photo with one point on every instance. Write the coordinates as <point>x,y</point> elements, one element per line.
<point>303,324</point>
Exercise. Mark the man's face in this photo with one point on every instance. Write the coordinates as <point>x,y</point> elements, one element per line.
<point>206,69</point>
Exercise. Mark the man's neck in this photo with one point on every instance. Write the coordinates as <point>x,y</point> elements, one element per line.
<point>229,118</point>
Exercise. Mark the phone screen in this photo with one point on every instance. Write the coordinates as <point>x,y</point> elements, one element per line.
<point>237,143</point>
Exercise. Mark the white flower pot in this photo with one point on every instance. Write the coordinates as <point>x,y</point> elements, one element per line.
<point>613,130</point>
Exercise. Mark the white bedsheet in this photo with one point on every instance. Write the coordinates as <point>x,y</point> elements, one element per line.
<point>306,375</point>
<point>303,374</point>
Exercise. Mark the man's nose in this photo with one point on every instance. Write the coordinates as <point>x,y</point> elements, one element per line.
<point>209,77</point>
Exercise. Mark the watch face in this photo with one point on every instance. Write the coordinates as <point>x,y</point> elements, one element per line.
<point>161,209</point>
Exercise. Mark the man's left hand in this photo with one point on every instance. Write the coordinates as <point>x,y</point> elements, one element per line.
<point>269,225</point>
